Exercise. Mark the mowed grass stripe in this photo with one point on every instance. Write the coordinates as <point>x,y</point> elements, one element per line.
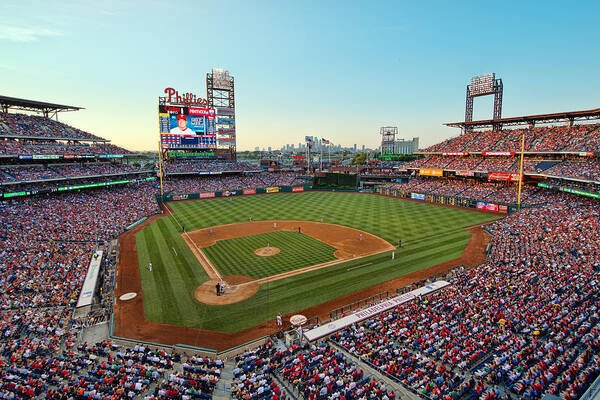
<point>236,256</point>
<point>430,234</point>
<point>173,278</point>
<point>383,217</point>
<point>160,301</point>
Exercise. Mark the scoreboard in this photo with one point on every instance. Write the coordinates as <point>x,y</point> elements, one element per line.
<point>183,127</point>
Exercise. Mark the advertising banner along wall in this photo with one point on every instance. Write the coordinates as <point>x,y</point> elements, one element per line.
<point>487,206</point>
<point>431,172</point>
<point>503,176</point>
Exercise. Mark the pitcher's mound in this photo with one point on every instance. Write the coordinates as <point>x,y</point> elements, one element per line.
<point>266,251</point>
<point>207,292</point>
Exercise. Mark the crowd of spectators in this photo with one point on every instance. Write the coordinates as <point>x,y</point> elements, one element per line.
<point>501,192</point>
<point>523,324</point>
<point>191,166</point>
<point>45,147</point>
<point>312,371</point>
<point>41,127</point>
<point>546,138</point>
<point>21,173</point>
<point>433,161</point>
<point>577,168</point>
<point>580,168</point>
<point>198,184</point>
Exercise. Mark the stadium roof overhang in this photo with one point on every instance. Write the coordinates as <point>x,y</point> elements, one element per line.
<point>570,116</point>
<point>48,109</point>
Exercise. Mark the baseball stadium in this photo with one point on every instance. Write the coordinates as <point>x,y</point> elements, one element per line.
<point>469,270</point>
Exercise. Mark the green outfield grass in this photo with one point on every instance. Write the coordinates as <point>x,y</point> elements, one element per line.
<point>236,256</point>
<point>430,235</point>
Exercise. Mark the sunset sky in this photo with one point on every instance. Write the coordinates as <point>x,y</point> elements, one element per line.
<point>334,69</point>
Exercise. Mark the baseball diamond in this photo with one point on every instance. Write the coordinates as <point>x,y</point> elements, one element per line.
<point>431,235</point>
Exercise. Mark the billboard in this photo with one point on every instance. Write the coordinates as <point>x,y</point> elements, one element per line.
<point>503,176</point>
<point>186,127</point>
<point>226,121</point>
<point>487,206</point>
<point>226,111</point>
<point>431,172</point>
<point>417,196</point>
<point>498,153</point>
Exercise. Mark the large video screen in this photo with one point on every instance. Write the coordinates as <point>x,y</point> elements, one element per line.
<point>187,127</point>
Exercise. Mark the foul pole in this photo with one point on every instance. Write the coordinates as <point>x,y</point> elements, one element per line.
<point>321,157</point>
<point>521,170</point>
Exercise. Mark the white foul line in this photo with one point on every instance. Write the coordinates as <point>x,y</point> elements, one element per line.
<point>364,265</point>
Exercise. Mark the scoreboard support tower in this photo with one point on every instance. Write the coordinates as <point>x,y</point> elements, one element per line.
<point>220,93</point>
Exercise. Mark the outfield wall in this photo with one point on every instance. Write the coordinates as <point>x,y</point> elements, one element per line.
<point>456,201</point>
<point>230,193</point>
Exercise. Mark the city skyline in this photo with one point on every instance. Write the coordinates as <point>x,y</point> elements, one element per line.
<point>325,70</point>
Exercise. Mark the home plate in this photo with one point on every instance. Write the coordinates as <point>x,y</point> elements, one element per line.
<point>128,296</point>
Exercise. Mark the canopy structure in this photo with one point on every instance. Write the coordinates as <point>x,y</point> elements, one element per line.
<point>49,110</point>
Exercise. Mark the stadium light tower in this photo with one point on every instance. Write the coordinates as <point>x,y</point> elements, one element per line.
<point>485,85</point>
<point>388,138</point>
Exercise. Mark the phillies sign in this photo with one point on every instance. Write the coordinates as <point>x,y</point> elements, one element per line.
<point>184,98</point>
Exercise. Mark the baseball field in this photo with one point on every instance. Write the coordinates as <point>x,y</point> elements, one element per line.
<point>344,246</point>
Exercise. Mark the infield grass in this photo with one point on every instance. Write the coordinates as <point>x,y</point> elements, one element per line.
<point>236,256</point>
<point>430,235</point>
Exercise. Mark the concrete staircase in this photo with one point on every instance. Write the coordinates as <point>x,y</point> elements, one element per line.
<point>223,387</point>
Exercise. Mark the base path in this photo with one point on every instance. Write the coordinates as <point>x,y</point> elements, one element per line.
<point>130,318</point>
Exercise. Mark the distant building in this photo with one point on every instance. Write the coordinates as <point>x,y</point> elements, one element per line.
<point>406,146</point>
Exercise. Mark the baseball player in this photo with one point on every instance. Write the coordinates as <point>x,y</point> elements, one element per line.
<point>279,320</point>
<point>150,267</point>
<point>181,128</point>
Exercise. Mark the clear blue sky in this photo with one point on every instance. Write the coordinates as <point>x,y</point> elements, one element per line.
<point>333,69</point>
